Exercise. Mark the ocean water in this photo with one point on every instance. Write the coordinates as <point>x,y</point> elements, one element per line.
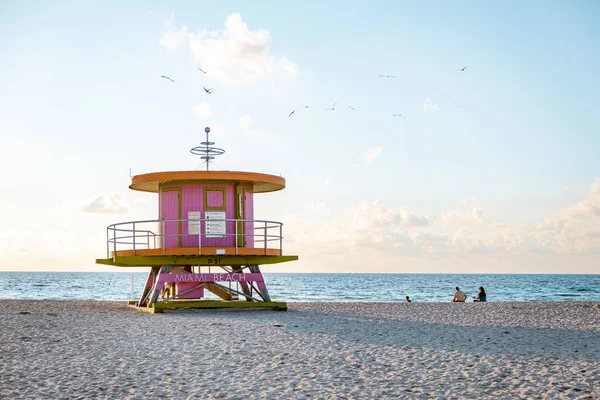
<point>123,286</point>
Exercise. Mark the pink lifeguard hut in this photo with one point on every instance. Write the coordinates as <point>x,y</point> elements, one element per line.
<point>205,239</point>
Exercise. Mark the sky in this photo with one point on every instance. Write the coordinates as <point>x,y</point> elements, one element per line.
<point>494,169</point>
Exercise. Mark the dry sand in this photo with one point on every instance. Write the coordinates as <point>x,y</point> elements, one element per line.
<point>74,349</point>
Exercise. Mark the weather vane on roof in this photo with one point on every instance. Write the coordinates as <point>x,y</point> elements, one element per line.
<point>206,151</point>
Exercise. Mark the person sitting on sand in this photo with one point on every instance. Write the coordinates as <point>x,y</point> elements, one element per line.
<point>459,296</point>
<point>408,300</point>
<point>481,296</point>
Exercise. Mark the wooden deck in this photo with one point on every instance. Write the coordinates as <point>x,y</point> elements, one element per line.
<point>201,260</point>
<point>207,304</point>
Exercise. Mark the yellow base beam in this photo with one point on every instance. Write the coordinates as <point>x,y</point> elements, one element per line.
<point>149,261</point>
<point>160,307</point>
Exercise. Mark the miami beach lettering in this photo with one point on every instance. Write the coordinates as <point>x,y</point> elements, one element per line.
<point>211,277</point>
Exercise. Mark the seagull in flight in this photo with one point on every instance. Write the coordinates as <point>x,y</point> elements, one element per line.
<point>332,108</point>
<point>166,77</point>
<point>388,76</point>
<point>462,69</point>
<point>302,105</point>
<point>399,115</point>
<point>352,108</point>
<point>291,113</point>
<point>209,91</point>
<point>201,70</point>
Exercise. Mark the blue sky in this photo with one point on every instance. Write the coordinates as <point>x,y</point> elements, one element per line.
<point>489,157</point>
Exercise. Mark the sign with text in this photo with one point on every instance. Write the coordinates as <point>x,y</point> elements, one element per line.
<point>214,224</point>
<point>212,277</point>
<point>194,222</point>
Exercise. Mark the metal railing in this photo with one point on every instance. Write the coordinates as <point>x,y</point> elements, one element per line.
<point>135,235</point>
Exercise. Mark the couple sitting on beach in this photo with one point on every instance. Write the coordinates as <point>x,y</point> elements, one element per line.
<point>461,297</point>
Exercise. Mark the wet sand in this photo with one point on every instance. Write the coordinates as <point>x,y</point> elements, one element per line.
<point>76,349</point>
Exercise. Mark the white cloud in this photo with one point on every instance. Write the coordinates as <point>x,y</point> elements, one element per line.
<point>174,39</point>
<point>289,67</point>
<point>429,105</point>
<point>112,204</point>
<point>235,54</point>
<point>471,201</point>
<point>585,209</point>
<point>67,238</point>
<point>319,206</point>
<point>476,215</point>
<point>202,110</point>
<point>566,237</point>
<point>371,155</point>
<point>374,214</point>
<point>394,234</point>
<point>51,241</point>
<point>370,225</point>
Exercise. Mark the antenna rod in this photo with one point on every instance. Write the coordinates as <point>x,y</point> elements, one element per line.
<point>207,129</point>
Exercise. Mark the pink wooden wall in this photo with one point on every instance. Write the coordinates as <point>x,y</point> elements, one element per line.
<point>169,212</point>
<point>193,200</point>
<point>249,211</point>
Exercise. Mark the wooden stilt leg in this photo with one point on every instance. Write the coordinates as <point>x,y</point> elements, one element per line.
<point>157,286</point>
<point>149,283</point>
<point>261,285</point>
<point>264,292</point>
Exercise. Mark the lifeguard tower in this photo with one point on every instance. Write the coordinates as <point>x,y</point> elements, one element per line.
<point>204,240</point>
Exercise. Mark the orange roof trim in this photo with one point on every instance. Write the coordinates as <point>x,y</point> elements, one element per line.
<point>261,183</point>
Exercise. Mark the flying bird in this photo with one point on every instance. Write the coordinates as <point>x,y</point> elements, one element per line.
<point>462,69</point>
<point>352,108</point>
<point>302,105</point>
<point>332,108</point>
<point>209,91</point>
<point>201,70</point>
<point>388,76</point>
<point>399,115</point>
<point>291,113</point>
<point>166,77</point>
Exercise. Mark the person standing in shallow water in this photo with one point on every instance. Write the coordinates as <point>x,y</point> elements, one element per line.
<point>408,300</point>
<point>481,295</point>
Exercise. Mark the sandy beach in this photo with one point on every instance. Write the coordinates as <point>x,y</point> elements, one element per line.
<point>76,349</point>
